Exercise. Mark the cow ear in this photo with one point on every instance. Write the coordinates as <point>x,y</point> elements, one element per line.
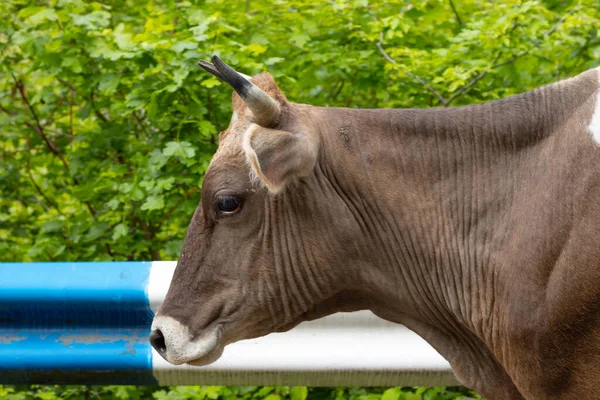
<point>279,157</point>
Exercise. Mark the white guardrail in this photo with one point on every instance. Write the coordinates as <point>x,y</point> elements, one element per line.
<point>89,323</point>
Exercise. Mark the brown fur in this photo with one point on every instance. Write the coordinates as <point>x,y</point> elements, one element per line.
<point>477,227</point>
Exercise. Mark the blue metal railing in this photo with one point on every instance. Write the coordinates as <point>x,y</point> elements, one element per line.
<point>75,323</point>
<point>88,323</point>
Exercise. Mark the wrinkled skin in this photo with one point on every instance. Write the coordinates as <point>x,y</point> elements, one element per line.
<point>242,264</point>
<point>453,222</point>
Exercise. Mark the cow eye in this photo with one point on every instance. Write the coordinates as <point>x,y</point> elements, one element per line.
<point>228,205</point>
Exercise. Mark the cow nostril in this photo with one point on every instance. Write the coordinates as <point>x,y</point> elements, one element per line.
<point>157,340</point>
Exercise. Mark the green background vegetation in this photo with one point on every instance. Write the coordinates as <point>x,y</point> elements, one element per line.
<point>107,125</point>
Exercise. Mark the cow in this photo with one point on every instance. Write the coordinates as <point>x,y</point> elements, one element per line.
<point>477,227</point>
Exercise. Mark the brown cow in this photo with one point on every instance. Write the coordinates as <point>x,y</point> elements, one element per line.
<point>477,227</point>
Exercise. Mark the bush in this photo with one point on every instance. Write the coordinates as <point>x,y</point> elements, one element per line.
<point>232,393</point>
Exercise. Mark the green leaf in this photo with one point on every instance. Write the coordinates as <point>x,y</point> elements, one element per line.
<point>84,112</point>
<point>182,46</point>
<point>96,230</point>
<point>273,397</point>
<point>83,193</point>
<point>210,82</point>
<point>410,396</point>
<point>264,391</point>
<point>299,39</point>
<point>273,60</point>
<point>47,396</point>
<point>93,20</point>
<point>120,231</point>
<point>152,108</point>
<point>179,149</point>
<point>126,393</point>
<point>108,83</point>
<point>59,250</point>
<point>299,393</point>
<point>123,39</point>
<point>47,14</point>
<point>27,12</point>
<point>178,77</point>
<point>153,203</point>
<point>165,183</point>
<point>161,395</point>
<point>207,128</point>
<point>391,394</point>
<point>113,204</point>
<point>52,226</point>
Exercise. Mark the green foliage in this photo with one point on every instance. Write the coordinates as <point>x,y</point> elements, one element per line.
<point>107,125</point>
<point>232,393</point>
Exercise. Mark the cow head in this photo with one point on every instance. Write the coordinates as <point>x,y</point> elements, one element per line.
<point>271,244</point>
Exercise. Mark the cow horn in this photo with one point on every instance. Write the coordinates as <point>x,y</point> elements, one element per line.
<point>265,109</point>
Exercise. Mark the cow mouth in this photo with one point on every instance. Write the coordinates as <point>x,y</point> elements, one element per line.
<point>174,343</point>
<point>210,348</point>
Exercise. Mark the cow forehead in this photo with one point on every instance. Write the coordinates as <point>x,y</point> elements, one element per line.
<point>228,165</point>
<point>229,155</point>
<point>230,142</point>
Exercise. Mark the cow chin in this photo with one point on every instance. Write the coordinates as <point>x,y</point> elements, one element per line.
<point>209,358</point>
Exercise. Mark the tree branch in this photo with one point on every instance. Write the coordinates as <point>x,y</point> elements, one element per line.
<point>39,189</point>
<point>149,234</point>
<point>67,84</point>
<point>473,81</point>
<point>6,110</point>
<point>21,89</point>
<point>413,76</point>
<point>140,123</point>
<point>460,23</point>
<point>96,111</point>
<point>71,116</point>
<point>338,89</point>
<point>38,127</point>
<point>560,22</point>
<point>212,116</point>
<point>172,209</point>
<point>496,64</point>
<point>49,143</point>
<point>51,116</point>
<point>109,250</point>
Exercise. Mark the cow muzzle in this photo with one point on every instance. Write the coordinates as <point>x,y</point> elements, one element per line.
<point>173,341</point>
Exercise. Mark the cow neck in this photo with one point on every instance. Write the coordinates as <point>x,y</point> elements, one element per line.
<point>435,189</point>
